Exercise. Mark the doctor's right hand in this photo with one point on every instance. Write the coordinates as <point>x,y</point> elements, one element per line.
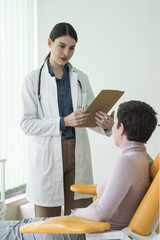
<point>76,118</point>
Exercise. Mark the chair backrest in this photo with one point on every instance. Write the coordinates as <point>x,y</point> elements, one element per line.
<point>154,167</point>
<point>147,212</point>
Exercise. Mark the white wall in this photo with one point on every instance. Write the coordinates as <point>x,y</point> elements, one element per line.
<point>118,48</point>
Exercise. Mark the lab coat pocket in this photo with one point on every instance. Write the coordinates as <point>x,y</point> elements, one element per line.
<point>38,155</point>
<point>82,101</point>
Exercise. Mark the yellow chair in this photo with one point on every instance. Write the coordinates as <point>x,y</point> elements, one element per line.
<point>85,189</point>
<point>141,227</point>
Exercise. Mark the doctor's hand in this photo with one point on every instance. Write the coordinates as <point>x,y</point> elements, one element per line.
<point>104,120</point>
<point>76,118</point>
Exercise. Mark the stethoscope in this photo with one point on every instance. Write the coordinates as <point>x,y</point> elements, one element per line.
<point>39,83</point>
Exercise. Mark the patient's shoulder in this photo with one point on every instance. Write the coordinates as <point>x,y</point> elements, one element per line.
<point>125,161</point>
<point>125,168</point>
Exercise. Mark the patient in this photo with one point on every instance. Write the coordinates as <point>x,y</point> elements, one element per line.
<point>121,192</point>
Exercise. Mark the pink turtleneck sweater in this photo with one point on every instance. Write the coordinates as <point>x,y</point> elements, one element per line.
<point>121,192</point>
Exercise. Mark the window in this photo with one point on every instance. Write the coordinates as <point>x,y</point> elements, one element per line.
<point>16,60</point>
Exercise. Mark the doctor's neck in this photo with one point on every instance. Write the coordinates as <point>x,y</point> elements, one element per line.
<point>55,66</point>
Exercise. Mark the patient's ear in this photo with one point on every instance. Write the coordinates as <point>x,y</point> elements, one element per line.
<point>121,129</point>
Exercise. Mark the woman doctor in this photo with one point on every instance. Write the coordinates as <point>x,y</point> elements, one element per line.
<point>52,102</point>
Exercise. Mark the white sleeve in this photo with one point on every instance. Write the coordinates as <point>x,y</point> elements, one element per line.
<point>31,123</point>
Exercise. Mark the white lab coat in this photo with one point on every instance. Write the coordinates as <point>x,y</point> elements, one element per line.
<point>40,120</point>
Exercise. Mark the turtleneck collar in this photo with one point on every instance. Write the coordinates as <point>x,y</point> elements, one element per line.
<point>132,146</point>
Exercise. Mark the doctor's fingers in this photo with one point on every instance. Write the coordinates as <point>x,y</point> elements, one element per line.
<point>112,114</point>
<point>82,120</point>
<point>76,122</point>
<point>101,116</point>
<point>110,119</point>
<point>75,118</point>
<point>105,117</point>
<point>81,114</point>
<point>104,122</point>
<point>84,115</point>
<point>99,120</point>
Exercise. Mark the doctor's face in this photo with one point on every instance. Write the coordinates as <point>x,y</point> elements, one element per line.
<point>62,49</point>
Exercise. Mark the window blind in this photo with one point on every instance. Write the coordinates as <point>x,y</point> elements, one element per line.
<point>16,60</point>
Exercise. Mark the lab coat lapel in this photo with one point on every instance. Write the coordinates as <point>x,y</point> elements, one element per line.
<point>49,94</point>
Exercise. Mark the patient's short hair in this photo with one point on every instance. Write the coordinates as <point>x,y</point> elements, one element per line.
<point>139,120</point>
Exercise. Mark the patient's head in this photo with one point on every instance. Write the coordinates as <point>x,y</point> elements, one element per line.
<point>138,120</point>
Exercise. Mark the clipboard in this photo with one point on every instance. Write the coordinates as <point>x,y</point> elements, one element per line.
<point>104,101</point>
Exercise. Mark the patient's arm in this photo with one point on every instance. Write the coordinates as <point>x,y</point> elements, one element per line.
<point>111,193</point>
<point>101,186</point>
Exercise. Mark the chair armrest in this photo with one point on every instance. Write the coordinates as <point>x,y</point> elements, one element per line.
<point>84,188</point>
<point>65,225</point>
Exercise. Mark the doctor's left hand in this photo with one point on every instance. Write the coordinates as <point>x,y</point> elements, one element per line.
<point>76,118</point>
<point>104,120</point>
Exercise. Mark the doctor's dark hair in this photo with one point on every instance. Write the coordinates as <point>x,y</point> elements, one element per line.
<point>139,120</point>
<point>62,29</point>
